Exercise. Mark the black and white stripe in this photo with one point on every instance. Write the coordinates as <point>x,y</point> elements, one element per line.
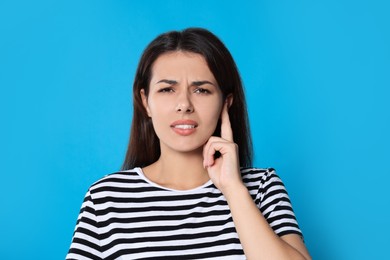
<point>126,216</point>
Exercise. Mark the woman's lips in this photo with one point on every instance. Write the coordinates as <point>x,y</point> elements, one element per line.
<point>184,127</point>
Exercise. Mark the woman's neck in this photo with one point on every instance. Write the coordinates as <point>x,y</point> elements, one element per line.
<point>180,171</point>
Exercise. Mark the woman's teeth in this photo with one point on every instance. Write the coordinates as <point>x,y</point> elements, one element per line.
<point>184,126</point>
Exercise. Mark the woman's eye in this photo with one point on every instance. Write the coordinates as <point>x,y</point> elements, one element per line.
<point>165,90</point>
<point>202,91</point>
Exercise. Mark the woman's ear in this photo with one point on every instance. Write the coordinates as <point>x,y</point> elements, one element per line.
<point>145,101</point>
<point>229,100</point>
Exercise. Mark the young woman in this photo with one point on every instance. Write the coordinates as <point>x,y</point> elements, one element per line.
<point>186,190</point>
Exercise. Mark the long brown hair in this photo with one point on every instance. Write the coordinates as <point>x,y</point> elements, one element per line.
<point>144,145</point>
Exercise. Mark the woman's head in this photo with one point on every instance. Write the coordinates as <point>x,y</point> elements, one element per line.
<point>144,146</point>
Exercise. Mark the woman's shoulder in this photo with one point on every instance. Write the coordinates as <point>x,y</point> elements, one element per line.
<point>117,179</point>
<point>256,173</point>
<point>259,177</point>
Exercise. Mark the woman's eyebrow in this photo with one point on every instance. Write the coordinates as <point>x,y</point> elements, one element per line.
<point>194,83</point>
<point>168,81</point>
<point>200,83</point>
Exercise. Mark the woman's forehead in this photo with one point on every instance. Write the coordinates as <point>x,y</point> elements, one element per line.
<point>177,64</point>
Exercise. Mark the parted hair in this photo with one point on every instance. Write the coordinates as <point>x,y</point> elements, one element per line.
<point>144,145</point>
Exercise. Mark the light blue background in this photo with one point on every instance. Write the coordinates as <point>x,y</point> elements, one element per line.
<point>317,81</point>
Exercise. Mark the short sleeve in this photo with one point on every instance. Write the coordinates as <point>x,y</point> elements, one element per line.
<point>275,205</point>
<point>86,243</point>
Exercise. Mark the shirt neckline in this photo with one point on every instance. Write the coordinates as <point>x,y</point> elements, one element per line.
<point>139,171</point>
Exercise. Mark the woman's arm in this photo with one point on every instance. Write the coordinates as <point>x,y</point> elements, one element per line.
<point>258,239</point>
<point>86,241</point>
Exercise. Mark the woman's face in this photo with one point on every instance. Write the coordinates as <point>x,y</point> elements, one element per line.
<point>184,101</point>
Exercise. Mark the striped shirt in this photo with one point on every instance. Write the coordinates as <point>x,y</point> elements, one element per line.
<point>126,216</point>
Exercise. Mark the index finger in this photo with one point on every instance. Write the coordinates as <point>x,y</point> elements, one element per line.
<point>226,128</point>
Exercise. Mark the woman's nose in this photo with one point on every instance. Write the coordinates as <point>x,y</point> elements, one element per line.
<point>184,104</point>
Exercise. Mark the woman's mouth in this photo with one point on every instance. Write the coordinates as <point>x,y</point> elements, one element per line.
<point>184,127</point>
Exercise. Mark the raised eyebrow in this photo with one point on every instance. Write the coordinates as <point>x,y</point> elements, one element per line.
<point>167,81</point>
<point>200,83</point>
